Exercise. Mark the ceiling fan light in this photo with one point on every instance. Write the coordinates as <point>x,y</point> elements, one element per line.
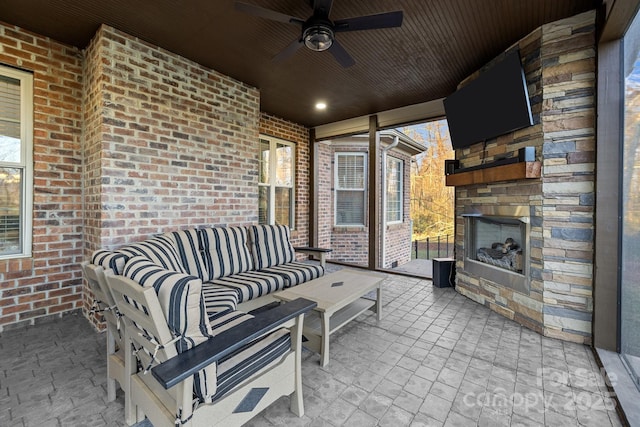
<point>318,38</point>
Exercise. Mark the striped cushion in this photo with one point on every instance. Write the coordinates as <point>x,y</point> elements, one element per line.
<point>295,272</point>
<point>109,260</point>
<point>159,249</point>
<point>254,357</point>
<point>252,284</point>
<point>270,245</point>
<point>187,245</point>
<point>180,297</point>
<point>225,251</point>
<point>219,298</point>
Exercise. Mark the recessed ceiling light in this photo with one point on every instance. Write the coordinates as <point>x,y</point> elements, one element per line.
<point>321,106</point>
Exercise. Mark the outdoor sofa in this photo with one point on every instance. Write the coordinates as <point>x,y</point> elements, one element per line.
<point>184,299</point>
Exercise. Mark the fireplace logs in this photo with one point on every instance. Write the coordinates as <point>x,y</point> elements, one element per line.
<point>505,255</point>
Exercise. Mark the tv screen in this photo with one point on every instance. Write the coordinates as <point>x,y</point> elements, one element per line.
<point>495,103</point>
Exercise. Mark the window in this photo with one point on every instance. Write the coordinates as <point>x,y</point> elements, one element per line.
<point>16,199</point>
<point>275,199</point>
<point>350,184</point>
<point>394,190</point>
<point>630,204</point>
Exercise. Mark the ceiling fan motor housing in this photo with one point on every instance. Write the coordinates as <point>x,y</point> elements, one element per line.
<point>318,34</point>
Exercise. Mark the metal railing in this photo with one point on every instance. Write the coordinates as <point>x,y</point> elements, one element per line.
<point>433,247</point>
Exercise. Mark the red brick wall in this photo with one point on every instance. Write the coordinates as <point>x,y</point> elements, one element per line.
<point>288,131</point>
<point>50,282</point>
<point>92,144</point>
<point>398,236</point>
<point>324,194</point>
<point>166,144</point>
<point>177,143</point>
<point>169,144</point>
<point>351,244</point>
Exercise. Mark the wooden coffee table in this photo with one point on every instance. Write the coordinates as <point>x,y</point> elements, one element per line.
<point>339,297</point>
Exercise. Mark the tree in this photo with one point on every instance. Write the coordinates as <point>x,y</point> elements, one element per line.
<point>432,203</point>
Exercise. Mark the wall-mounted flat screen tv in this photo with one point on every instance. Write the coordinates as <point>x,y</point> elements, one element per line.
<point>495,103</point>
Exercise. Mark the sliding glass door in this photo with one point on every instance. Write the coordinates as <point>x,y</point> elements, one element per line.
<point>630,205</point>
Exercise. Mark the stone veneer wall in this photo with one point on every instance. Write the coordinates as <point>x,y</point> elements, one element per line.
<point>559,63</point>
<point>50,282</point>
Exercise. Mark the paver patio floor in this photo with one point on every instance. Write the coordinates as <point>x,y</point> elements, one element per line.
<point>436,359</point>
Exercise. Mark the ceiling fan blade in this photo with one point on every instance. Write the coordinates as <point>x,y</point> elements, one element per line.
<point>267,13</point>
<point>323,6</point>
<point>288,51</point>
<point>370,22</point>
<point>341,55</point>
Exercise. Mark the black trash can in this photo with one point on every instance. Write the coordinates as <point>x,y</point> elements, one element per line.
<point>444,272</point>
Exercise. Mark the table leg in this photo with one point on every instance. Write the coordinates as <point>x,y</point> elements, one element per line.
<point>324,348</point>
<point>379,303</point>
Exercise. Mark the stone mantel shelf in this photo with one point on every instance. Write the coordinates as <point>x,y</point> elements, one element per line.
<point>514,171</point>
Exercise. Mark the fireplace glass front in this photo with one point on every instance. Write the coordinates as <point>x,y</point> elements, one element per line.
<point>499,242</point>
<point>496,249</point>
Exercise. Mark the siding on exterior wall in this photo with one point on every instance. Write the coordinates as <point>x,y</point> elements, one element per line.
<point>50,282</point>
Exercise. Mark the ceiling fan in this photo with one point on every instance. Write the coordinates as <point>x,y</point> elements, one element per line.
<point>318,31</point>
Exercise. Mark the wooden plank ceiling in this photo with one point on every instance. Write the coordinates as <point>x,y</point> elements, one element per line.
<point>439,44</point>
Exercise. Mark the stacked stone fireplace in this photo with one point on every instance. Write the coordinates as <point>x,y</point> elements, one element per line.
<point>546,284</point>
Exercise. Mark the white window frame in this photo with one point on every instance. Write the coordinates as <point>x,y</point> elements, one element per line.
<point>337,188</point>
<point>272,185</point>
<point>26,158</point>
<point>400,190</point>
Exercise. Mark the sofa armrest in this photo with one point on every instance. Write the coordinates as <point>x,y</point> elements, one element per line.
<point>184,365</point>
<point>320,253</point>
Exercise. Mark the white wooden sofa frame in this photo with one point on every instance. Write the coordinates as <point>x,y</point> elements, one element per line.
<point>104,304</point>
<point>166,396</point>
